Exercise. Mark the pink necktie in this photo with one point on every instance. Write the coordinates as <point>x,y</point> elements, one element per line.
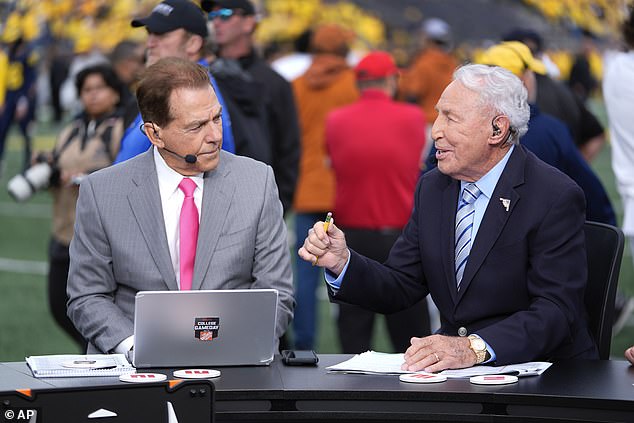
<point>188,233</point>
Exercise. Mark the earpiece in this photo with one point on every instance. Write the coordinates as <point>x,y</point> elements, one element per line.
<point>496,129</point>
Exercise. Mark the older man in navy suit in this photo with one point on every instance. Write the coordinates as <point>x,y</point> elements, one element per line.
<point>496,237</point>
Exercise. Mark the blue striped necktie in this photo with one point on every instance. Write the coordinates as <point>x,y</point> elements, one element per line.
<point>464,224</point>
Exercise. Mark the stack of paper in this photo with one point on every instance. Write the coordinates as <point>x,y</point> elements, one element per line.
<point>73,365</point>
<point>371,362</point>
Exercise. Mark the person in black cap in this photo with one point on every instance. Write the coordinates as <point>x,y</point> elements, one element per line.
<point>241,6</point>
<point>176,28</point>
<point>259,99</point>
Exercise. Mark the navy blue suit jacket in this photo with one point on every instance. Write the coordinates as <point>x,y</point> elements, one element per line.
<point>523,286</point>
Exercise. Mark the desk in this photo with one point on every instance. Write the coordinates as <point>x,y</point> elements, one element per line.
<point>568,391</point>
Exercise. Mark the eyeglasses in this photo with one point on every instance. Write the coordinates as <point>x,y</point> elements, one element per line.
<point>224,14</point>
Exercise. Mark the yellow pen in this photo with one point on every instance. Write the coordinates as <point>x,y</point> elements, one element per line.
<point>326,224</point>
<point>327,221</point>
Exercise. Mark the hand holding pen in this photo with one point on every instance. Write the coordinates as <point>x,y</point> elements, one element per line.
<point>326,224</point>
<point>325,246</point>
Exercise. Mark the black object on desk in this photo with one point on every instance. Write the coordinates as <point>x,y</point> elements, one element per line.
<point>299,358</point>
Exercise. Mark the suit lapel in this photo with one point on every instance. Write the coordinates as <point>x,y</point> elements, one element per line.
<point>145,201</point>
<point>217,194</point>
<point>495,216</point>
<point>449,205</point>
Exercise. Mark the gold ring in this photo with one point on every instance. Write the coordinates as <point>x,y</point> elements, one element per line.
<point>316,260</point>
<point>437,358</point>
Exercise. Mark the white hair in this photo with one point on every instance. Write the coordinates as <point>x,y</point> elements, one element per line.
<point>501,90</point>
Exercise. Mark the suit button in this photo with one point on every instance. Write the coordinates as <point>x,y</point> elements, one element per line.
<point>462,331</point>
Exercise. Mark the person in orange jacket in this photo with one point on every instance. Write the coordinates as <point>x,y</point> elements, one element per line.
<point>328,83</point>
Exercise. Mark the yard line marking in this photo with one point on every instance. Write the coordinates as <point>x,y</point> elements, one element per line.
<point>23,266</point>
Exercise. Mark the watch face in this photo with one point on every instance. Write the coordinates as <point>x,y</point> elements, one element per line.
<point>478,344</point>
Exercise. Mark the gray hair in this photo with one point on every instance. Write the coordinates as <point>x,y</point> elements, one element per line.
<point>501,90</point>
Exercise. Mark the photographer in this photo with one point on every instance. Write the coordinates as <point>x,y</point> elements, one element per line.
<point>88,143</point>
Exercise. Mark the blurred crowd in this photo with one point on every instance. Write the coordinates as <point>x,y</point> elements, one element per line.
<point>282,73</point>
<point>56,37</point>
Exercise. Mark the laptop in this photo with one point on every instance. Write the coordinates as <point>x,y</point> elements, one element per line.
<point>204,328</point>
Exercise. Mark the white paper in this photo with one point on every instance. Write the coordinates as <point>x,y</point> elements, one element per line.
<point>371,362</point>
<point>43,366</point>
<point>531,368</point>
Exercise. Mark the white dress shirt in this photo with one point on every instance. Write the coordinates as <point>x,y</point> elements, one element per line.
<point>171,202</point>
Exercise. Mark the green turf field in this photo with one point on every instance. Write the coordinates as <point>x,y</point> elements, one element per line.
<point>26,327</point>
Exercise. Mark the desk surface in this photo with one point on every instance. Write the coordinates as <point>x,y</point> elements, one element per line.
<point>576,390</point>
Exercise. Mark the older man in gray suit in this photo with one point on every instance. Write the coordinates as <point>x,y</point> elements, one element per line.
<point>130,234</point>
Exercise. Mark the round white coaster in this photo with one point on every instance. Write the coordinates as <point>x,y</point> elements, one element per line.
<point>88,364</point>
<point>493,379</point>
<point>422,378</point>
<point>196,373</point>
<point>143,377</point>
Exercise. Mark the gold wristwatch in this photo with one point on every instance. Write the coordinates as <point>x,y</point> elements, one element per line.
<point>478,346</point>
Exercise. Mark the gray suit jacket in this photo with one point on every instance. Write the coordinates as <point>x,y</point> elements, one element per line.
<point>120,246</point>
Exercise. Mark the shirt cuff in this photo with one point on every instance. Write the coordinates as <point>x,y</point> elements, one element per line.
<point>335,281</point>
<point>124,346</point>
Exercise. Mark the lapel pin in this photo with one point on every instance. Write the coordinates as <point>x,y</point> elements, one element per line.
<point>506,203</point>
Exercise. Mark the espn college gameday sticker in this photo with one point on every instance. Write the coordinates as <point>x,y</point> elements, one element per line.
<point>206,328</point>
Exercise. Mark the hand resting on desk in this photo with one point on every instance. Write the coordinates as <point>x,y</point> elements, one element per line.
<point>438,352</point>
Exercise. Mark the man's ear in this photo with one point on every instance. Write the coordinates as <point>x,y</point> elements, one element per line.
<point>194,44</point>
<point>250,23</point>
<point>500,130</point>
<point>153,133</point>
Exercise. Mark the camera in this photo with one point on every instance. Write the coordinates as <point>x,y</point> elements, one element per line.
<point>22,186</point>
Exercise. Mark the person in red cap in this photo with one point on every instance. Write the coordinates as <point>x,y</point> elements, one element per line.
<point>374,146</point>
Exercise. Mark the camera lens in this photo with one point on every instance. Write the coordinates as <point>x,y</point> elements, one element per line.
<point>21,187</point>
<point>38,175</point>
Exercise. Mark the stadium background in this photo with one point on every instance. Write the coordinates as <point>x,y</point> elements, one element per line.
<point>26,327</point>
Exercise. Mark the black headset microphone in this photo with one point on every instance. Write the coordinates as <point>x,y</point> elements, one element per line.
<point>189,158</point>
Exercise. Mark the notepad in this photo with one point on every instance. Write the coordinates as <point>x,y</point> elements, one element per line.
<point>44,366</point>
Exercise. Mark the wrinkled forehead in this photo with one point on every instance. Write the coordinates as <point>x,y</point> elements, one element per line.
<point>185,102</point>
<point>459,99</point>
